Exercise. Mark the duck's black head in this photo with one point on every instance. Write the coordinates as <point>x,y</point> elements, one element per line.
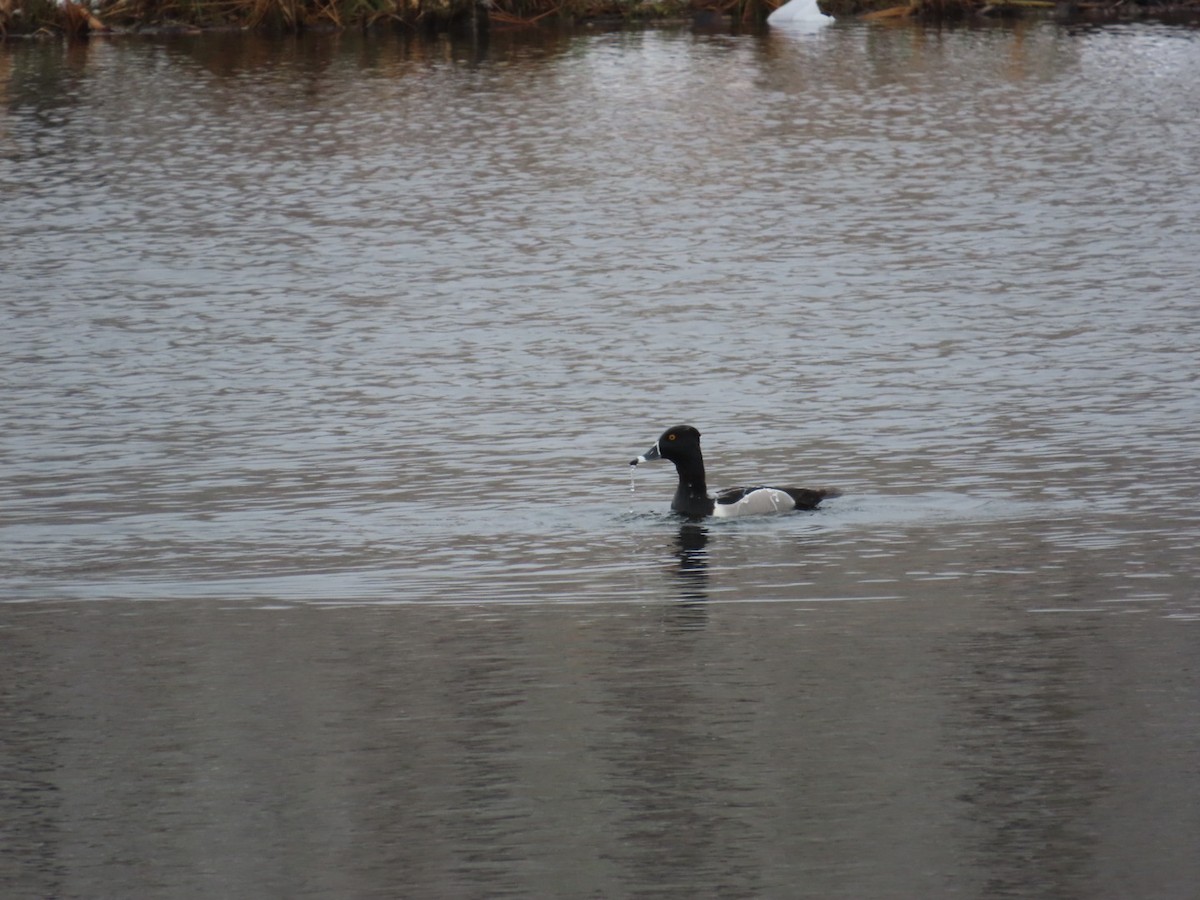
<point>678,444</point>
<point>681,445</point>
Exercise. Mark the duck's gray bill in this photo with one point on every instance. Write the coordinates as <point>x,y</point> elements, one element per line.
<point>650,454</point>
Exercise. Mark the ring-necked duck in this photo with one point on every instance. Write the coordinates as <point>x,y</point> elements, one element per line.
<point>681,445</point>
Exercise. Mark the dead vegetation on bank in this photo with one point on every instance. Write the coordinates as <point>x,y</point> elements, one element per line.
<point>95,16</point>
<point>80,17</point>
<point>949,10</point>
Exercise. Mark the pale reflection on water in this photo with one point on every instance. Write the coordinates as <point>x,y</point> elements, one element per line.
<point>323,360</point>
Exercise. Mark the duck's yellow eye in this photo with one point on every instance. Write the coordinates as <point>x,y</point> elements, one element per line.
<point>670,437</point>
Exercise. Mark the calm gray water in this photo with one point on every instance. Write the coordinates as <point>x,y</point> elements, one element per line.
<point>322,573</point>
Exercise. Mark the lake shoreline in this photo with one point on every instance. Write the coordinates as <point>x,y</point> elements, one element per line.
<point>49,18</point>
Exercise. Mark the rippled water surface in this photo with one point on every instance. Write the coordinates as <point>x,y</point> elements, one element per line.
<point>322,573</point>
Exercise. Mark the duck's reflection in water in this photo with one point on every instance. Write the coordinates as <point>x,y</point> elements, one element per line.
<point>690,550</point>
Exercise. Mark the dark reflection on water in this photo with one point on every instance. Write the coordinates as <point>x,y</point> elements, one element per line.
<point>693,567</point>
<point>897,752</point>
<point>322,362</point>
<point>1032,777</point>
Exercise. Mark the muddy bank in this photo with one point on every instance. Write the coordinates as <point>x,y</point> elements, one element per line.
<point>56,17</point>
<point>1066,10</point>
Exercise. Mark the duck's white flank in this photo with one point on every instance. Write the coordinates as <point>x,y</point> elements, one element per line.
<point>756,503</point>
